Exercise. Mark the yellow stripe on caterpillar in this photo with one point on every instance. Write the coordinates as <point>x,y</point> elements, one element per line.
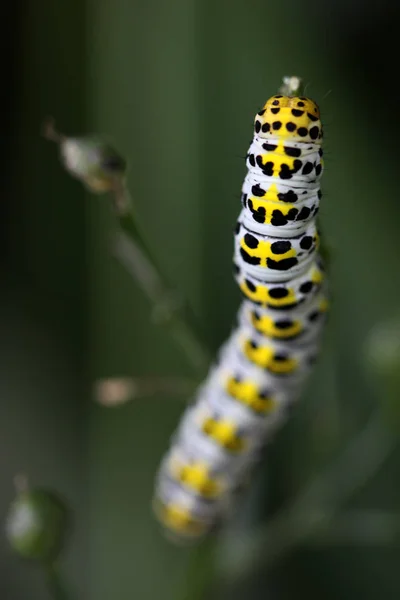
<point>267,358</point>
<point>264,250</point>
<point>281,330</point>
<point>249,394</point>
<point>197,476</point>
<point>224,432</point>
<point>301,324</point>
<point>273,258</point>
<point>179,519</point>
<point>283,295</point>
<point>278,160</point>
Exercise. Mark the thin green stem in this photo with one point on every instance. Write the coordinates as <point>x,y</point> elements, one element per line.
<point>177,387</point>
<point>200,575</point>
<point>56,585</point>
<point>168,308</point>
<point>118,390</point>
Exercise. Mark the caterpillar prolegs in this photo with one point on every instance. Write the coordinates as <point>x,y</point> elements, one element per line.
<point>262,367</point>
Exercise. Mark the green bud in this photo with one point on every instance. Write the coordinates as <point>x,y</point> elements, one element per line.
<point>36,525</point>
<point>90,159</point>
<point>94,162</point>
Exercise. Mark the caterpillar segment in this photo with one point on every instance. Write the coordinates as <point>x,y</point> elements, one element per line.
<point>272,208</point>
<point>300,327</point>
<point>261,370</point>
<point>272,258</point>
<point>285,295</point>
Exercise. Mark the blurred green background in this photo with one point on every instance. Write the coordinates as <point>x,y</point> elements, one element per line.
<point>176,85</point>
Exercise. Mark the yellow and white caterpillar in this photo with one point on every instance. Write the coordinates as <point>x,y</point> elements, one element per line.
<point>262,367</point>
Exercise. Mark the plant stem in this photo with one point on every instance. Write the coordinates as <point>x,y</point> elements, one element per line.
<point>132,251</point>
<point>119,390</point>
<point>200,575</point>
<point>55,583</point>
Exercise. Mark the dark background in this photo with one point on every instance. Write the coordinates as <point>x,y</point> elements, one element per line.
<point>176,85</point>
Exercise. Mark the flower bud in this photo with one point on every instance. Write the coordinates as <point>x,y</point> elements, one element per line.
<point>90,159</point>
<point>36,525</point>
<point>94,162</point>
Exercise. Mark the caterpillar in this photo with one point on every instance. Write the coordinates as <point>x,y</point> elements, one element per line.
<point>262,368</point>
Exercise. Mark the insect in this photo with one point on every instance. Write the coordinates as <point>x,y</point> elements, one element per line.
<point>262,367</point>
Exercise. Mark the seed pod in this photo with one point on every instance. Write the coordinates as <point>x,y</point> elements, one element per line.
<point>93,161</point>
<point>36,525</point>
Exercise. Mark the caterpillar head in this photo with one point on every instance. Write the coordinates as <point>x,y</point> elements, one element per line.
<point>293,118</point>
